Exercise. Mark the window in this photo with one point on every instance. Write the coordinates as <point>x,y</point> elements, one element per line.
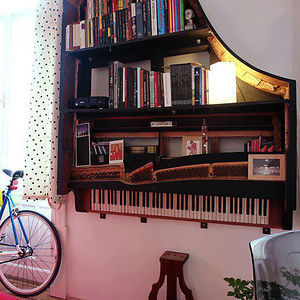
<point>16,51</point>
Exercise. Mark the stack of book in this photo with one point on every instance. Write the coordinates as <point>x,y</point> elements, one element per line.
<point>137,88</point>
<point>185,84</point>
<point>260,144</point>
<point>113,21</point>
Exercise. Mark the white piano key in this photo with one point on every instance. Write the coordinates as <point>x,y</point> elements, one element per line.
<point>198,208</point>
<point>244,211</point>
<point>268,212</point>
<point>209,202</point>
<point>241,210</point>
<point>202,216</point>
<point>255,212</point>
<point>227,199</point>
<point>215,208</point>
<point>230,212</point>
<point>190,212</point>
<point>176,205</point>
<point>142,202</point>
<point>260,210</point>
<point>263,211</point>
<point>151,209</point>
<point>164,211</point>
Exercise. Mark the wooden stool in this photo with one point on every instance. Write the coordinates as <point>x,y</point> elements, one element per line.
<point>171,265</point>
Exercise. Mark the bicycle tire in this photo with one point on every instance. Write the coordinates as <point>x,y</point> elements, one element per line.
<point>27,284</point>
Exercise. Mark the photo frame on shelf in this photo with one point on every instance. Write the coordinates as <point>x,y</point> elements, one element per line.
<point>83,157</point>
<point>191,145</point>
<point>116,152</point>
<point>99,153</point>
<point>266,167</point>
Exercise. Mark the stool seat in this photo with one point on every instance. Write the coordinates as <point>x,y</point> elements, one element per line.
<point>171,265</point>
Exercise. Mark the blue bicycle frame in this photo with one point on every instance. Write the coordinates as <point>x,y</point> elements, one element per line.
<point>7,200</point>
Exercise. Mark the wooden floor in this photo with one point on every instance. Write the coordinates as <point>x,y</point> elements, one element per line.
<point>44,296</point>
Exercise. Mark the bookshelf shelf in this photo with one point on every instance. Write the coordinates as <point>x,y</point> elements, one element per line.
<point>194,40</point>
<point>258,113</point>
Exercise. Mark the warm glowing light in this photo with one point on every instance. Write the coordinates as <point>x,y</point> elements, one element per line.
<point>222,83</point>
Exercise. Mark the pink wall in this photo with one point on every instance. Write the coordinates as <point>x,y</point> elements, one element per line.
<point>117,258</point>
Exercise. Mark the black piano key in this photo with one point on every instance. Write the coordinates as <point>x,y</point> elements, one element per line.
<point>265,207</point>
<point>121,198</point>
<point>204,203</point>
<point>153,200</point>
<point>102,196</point>
<point>207,198</point>
<point>167,202</point>
<point>108,197</point>
<point>220,205</point>
<point>143,199</point>
<point>157,200</point>
<point>171,201</point>
<point>186,202</point>
<point>247,206</point>
<point>147,199</point>
<point>197,202</point>
<point>137,197</point>
<point>213,204</point>
<point>178,202</point>
<point>161,200</point>
<point>236,205</point>
<point>224,204</point>
<point>231,205</point>
<point>259,207</point>
<point>252,207</point>
<point>193,202</point>
<point>130,198</point>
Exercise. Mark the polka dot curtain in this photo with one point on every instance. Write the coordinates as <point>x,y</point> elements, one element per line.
<point>41,146</point>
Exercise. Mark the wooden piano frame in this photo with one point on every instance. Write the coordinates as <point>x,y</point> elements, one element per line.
<point>275,118</point>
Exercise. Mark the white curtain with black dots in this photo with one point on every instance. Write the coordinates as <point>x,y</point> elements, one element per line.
<point>41,145</point>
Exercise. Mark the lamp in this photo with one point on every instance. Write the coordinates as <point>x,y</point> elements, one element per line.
<point>222,83</point>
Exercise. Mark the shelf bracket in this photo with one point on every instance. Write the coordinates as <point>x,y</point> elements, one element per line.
<point>204,225</point>
<point>266,230</point>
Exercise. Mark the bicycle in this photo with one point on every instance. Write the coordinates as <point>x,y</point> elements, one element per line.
<point>30,249</point>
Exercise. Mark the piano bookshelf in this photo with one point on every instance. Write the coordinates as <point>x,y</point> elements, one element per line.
<point>173,186</point>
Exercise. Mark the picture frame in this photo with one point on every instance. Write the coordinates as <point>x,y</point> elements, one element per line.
<point>191,145</point>
<point>266,167</point>
<point>116,152</point>
<point>83,157</point>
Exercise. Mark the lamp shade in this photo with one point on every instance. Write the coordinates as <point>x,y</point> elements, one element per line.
<point>222,83</point>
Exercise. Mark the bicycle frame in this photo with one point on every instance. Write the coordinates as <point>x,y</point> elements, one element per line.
<point>7,200</point>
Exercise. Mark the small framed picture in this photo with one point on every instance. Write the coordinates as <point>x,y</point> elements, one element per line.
<point>116,152</point>
<point>83,145</point>
<point>266,167</point>
<point>191,145</point>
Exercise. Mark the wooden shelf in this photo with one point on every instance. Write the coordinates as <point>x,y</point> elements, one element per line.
<point>241,108</point>
<point>187,41</point>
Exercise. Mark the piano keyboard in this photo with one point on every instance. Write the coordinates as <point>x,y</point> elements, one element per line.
<point>181,206</point>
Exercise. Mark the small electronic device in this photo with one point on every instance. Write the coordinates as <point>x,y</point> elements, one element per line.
<point>100,102</point>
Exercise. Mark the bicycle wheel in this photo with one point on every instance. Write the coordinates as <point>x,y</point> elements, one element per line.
<point>32,274</point>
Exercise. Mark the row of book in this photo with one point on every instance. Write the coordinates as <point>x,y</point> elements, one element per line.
<point>113,21</point>
<point>260,144</point>
<point>185,84</point>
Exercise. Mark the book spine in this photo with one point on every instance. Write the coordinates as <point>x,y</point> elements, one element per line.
<point>147,89</point>
<point>204,87</point>
<point>159,89</point>
<point>124,87</point>
<point>173,3</point>
<point>138,87</point>
<point>100,30</point>
<point>181,15</point>
<point>127,24</point>
<point>151,88</point>
<point>148,17</point>
<point>129,16</point>
<point>196,80</point>
<point>123,14</point>
<point>153,17</point>
<point>155,89</point>
<point>166,15</point>
<point>200,87</point>
<point>111,85</point>
<point>170,16</point>
<point>139,20</point>
<point>68,37</point>
<point>142,88</point>
<point>133,20</point>
<point>176,15</point>
<point>120,87</point>
<point>207,86</point>
<point>193,85</point>
<point>115,28</point>
<point>134,103</point>
<point>161,17</point>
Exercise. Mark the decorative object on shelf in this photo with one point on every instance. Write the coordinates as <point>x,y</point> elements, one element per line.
<point>191,145</point>
<point>266,167</point>
<point>189,19</point>
<point>83,145</point>
<point>116,152</point>
<point>99,153</point>
<point>100,102</point>
<point>222,83</point>
<point>204,138</point>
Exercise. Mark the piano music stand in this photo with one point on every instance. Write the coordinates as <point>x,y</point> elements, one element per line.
<point>171,265</point>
